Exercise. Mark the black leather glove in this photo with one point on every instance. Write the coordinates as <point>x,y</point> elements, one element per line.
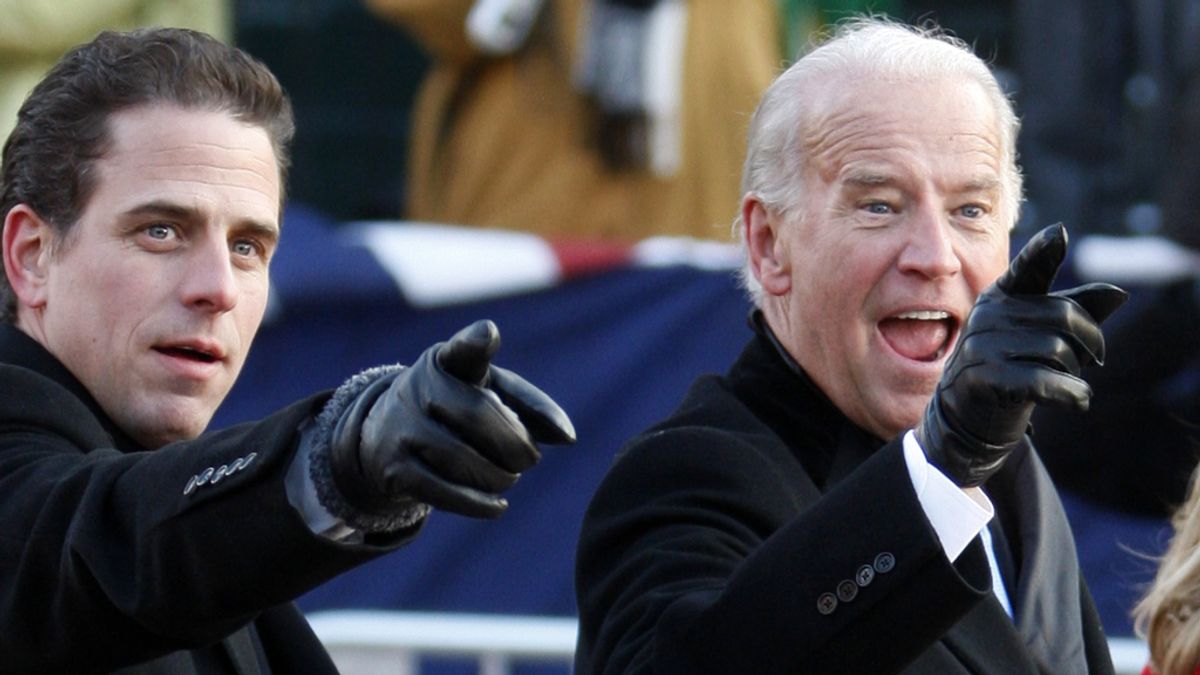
<point>451,431</point>
<point>1021,346</point>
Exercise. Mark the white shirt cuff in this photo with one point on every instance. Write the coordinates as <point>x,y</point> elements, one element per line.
<point>957,514</point>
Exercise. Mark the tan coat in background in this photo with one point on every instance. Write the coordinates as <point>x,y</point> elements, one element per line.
<point>503,142</point>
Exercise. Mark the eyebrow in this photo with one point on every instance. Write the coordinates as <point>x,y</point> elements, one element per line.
<point>982,184</point>
<point>867,178</point>
<point>258,228</point>
<point>875,179</point>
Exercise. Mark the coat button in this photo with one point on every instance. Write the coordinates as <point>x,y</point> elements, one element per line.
<point>866,574</point>
<point>826,604</point>
<point>198,480</point>
<point>847,590</point>
<point>212,476</point>
<point>884,563</point>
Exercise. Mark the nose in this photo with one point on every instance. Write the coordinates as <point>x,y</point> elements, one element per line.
<point>929,246</point>
<point>209,283</point>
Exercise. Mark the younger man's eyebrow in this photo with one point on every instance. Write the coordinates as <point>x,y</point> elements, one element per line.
<point>263,229</point>
<point>161,208</point>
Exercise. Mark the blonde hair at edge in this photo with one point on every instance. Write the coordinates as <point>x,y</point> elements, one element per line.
<point>1167,617</point>
<point>858,48</point>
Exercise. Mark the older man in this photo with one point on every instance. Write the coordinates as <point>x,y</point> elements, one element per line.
<point>785,519</point>
<point>142,188</point>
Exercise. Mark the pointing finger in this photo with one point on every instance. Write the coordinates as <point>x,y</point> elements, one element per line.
<point>468,354</point>
<point>1033,270</point>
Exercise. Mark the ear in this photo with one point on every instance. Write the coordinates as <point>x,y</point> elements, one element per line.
<point>769,260</point>
<point>27,239</point>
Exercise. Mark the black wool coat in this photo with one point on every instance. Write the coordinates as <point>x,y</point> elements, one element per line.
<point>757,530</point>
<point>115,559</point>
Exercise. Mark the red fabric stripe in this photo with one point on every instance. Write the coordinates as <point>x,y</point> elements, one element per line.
<point>581,257</point>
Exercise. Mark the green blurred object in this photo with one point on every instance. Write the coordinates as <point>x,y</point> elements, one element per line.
<point>805,18</point>
<point>985,24</point>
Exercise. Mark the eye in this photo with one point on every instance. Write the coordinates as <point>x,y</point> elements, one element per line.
<point>159,237</point>
<point>877,208</point>
<point>246,248</point>
<point>973,211</point>
<point>160,231</point>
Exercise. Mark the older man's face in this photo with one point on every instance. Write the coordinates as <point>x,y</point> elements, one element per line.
<point>900,230</point>
<point>157,294</point>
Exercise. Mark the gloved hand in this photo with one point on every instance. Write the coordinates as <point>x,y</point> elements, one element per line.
<point>1021,346</point>
<point>451,431</point>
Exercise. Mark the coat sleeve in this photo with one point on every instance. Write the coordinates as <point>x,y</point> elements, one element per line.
<point>702,554</point>
<point>109,558</point>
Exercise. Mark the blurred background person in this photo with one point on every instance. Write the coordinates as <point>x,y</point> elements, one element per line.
<point>1166,617</point>
<point>1100,86</point>
<point>352,79</point>
<point>614,119</point>
<point>1137,446</point>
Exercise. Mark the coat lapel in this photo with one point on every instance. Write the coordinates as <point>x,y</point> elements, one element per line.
<point>1046,594</point>
<point>986,641</point>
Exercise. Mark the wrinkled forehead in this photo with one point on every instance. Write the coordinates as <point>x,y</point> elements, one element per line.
<point>949,104</point>
<point>935,119</point>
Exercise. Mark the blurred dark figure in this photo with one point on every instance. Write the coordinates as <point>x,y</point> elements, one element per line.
<point>352,79</point>
<point>1138,444</point>
<point>1099,85</point>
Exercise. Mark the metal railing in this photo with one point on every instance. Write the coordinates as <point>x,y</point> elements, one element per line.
<point>378,642</point>
<point>374,642</point>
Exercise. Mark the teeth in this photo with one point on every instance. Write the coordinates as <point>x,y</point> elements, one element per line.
<point>924,315</point>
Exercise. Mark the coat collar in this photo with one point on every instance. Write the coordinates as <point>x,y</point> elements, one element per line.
<point>828,444</point>
<point>19,349</point>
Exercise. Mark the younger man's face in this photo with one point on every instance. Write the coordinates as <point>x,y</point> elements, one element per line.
<point>154,297</point>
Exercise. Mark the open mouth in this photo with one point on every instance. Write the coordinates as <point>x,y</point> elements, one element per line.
<point>188,353</point>
<point>920,335</point>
